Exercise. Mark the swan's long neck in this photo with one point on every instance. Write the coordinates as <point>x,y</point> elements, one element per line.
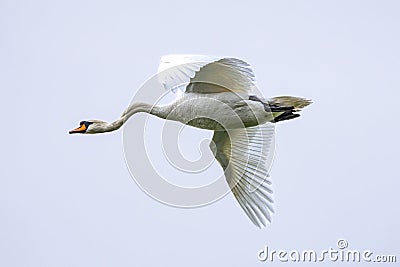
<point>159,111</point>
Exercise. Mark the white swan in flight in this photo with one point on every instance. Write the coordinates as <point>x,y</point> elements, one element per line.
<point>218,97</point>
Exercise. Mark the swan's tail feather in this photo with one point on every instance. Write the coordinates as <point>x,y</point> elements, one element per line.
<point>285,107</point>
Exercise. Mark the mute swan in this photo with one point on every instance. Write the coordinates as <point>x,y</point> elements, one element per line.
<point>218,97</point>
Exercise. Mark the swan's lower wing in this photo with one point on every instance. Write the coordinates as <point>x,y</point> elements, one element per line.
<point>243,154</point>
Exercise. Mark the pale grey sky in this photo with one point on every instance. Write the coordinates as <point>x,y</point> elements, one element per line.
<point>70,201</point>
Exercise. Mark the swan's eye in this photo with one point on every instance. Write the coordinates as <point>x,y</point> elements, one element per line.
<point>82,122</point>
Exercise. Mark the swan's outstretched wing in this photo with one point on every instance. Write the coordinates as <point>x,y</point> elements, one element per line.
<point>205,74</point>
<point>243,155</point>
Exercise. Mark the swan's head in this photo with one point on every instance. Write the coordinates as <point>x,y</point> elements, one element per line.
<point>90,127</point>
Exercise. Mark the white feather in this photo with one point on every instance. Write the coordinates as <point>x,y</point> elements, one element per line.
<point>176,72</point>
<point>243,156</point>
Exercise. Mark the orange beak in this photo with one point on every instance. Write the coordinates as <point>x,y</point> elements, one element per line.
<point>80,129</point>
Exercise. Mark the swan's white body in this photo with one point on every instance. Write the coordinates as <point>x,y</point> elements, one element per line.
<point>232,110</point>
<point>217,97</point>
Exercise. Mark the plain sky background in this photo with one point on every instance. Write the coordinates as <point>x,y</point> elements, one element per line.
<point>70,201</point>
